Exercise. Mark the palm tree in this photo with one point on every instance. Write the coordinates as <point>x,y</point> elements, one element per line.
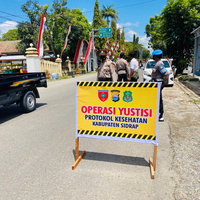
<point>108,11</point>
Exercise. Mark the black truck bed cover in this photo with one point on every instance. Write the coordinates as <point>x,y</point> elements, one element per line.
<point>13,82</point>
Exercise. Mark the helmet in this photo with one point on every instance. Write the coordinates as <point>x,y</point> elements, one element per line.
<point>103,52</point>
<point>157,52</point>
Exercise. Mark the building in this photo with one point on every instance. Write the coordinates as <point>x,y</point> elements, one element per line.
<point>8,48</point>
<point>9,54</point>
<point>196,64</point>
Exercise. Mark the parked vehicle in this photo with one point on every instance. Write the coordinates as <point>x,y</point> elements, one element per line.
<point>148,71</point>
<point>21,89</point>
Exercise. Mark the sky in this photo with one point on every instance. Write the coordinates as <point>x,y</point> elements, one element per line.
<point>133,14</point>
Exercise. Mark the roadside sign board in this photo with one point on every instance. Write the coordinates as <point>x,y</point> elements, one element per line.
<point>105,32</point>
<point>118,111</point>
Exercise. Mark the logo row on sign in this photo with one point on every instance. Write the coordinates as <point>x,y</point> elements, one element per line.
<point>115,95</point>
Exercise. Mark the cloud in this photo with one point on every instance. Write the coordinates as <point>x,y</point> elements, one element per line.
<point>137,24</point>
<point>142,38</point>
<point>6,26</point>
<point>129,34</point>
<point>128,24</point>
<point>90,23</point>
<point>84,10</point>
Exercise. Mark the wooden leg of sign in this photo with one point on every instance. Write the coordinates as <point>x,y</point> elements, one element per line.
<point>154,158</point>
<point>153,163</point>
<point>151,168</point>
<point>77,157</point>
<point>76,148</point>
<point>78,160</point>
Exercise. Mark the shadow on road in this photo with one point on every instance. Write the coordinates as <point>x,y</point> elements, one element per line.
<point>13,111</point>
<point>114,158</point>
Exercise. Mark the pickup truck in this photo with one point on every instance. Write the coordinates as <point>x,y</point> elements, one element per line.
<point>21,89</point>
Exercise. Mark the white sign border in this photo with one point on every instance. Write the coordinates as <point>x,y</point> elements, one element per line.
<point>154,142</point>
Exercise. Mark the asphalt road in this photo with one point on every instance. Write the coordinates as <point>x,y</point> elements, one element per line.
<point>37,153</point>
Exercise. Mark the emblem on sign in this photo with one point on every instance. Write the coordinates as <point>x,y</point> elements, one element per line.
<point>127,96</point>
<point>103,95</point>
<point>115,95</point>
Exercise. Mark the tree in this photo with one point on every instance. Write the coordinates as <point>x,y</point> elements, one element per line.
<point>108,12</point>
<point>180,18</point>
<point>129,46</point>
<point>171,30</point>
<point>146,54</point>
<point>58,20</point>
<point>135,39</point>
<point>118,35</point>
<point>97,23</point>
<point>154,30</point>
<point>80,29</point>
<point>97,17</point>
<point>27,33</point>
<point>114,33</point>
<point>122,37</point>
<point>134,47</point>
<point>10,35</point>
<point>114,30</point>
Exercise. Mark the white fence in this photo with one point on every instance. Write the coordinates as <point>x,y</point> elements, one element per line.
<point>50,67</point>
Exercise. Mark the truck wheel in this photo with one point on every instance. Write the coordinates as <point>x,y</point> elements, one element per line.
<point>28,102</point>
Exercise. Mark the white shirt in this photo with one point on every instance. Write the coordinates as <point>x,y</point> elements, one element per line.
<point>134,65</point>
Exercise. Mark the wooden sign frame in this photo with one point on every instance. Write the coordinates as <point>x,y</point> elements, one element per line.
<point>90,134</point>
<point>78,158</point>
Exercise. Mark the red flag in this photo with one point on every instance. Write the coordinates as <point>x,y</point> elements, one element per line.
<point>65,43</point>
<point>78,51</point>
<point>117,47</point>
<point>88,49</point>
<point>107,44</point>
<point>40,47</point>
<point>111,50</point>
<point>120,52</point>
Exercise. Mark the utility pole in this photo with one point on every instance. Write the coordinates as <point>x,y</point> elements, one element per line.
<point>123,27</point>
<point>140,49</point>
<point>93,48</point>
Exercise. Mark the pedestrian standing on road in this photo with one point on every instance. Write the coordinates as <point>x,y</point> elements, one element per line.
<point>160,74</point>
<point>140,64</point>
<point>122,68</point>
<point>133,73</point>
<point>106,70</point>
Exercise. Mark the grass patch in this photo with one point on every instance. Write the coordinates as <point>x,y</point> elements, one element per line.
<point>182,77</point>
<point>194,101</point>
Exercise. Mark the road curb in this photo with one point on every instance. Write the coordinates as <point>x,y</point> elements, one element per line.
<point>186,90</point>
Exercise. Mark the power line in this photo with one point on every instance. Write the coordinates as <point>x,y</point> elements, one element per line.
<point>13,15</point>
<point>9,23</point>
<point>8,18</point>
<point>135,4</point>
<point>9,15</point>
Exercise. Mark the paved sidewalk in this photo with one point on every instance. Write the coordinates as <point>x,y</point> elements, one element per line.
<point>183,117</point>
